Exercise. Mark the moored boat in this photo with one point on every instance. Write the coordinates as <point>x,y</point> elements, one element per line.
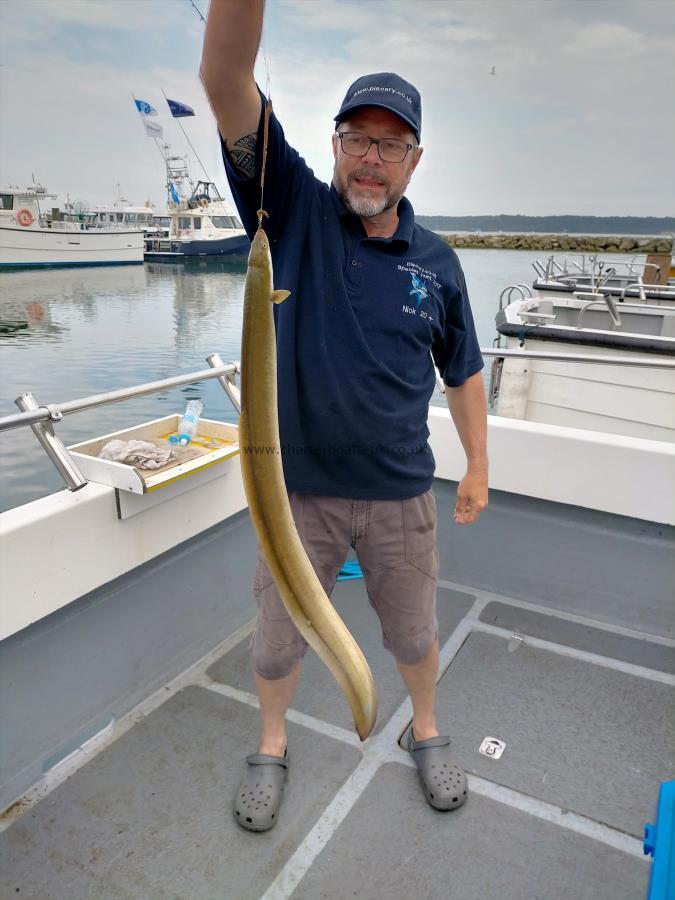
<point>120,215</point>
<point>203,225</point>
<point>32,236</point>
<point>625,321</point>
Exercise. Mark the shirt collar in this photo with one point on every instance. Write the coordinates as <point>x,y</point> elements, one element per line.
<point>406,220</point>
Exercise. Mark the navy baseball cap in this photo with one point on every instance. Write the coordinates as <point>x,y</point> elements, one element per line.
<point>389,91</point>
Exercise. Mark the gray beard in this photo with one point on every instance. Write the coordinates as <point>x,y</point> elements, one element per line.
<point>367,206</point>
<point>364,206</point>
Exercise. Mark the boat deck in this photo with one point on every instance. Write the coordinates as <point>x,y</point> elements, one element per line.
<point>586,710</point>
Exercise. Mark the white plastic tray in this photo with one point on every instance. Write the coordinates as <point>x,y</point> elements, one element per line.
<point>190,460</point>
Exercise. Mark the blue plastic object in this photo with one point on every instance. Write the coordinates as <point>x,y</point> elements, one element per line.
<point>659,842</point>
<point>350,571</point>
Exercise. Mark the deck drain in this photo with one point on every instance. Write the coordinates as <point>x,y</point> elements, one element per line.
<point>492,747</point>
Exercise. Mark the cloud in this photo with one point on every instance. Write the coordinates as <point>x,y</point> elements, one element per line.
<point>605,37</point>
<point>549,133</point>
<point>317,15</point>
<point>122,15</point>
<point>80,132</point>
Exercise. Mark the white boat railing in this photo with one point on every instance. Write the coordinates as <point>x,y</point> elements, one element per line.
<point>525,291</point>
<point>41,419</point>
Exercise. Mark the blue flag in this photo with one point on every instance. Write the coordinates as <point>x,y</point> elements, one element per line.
<point>179,110</point>
<point>144,108</point>
<point>175,196</point>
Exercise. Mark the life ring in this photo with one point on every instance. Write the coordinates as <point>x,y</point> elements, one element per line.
<point>24,217</point>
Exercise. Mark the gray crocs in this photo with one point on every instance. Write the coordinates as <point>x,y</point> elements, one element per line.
<point>444,782</point>
<point>259,795</point>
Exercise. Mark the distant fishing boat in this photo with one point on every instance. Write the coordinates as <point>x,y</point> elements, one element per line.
<point>204,225</point>
<point>120,215</point>
<point>31,236</point>
<point>202,222</point>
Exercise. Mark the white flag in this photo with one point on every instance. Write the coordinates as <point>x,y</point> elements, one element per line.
<point>152,129</point>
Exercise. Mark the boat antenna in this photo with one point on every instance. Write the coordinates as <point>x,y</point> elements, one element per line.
<point>37,195</point>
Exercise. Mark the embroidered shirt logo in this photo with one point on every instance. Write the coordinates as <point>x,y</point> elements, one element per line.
<point>419,289</point>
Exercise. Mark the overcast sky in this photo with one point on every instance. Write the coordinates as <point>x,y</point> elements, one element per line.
<point>579,118</point>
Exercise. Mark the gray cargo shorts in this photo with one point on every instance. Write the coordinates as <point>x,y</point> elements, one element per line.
<point>395,543</point>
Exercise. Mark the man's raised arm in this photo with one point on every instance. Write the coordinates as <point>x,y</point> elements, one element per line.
<point>230,47</point>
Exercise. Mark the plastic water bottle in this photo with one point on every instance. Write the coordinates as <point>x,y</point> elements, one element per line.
<point>190,421</point>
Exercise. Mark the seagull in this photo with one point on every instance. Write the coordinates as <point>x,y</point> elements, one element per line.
<point>493,70</point>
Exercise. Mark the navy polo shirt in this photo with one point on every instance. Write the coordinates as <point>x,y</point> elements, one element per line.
<point>356,336</point>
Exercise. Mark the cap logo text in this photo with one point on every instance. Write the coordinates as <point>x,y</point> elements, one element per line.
<point>386,90</point>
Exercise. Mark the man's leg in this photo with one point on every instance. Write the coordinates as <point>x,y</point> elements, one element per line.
<point>275,696</point>
<point>397,550</point>
<point>420,679</point>
<point>399,558</point>
<point>277,647</point>
<point>324,526</point>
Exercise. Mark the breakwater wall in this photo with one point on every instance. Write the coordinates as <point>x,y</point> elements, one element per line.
<point>580,243</point>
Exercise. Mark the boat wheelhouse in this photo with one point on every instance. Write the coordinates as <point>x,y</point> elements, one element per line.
<point>204,225</point>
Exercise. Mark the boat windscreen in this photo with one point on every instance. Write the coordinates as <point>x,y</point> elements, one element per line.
<point>226,222</point>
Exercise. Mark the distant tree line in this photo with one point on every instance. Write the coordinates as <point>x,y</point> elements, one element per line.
<point>552,224</point>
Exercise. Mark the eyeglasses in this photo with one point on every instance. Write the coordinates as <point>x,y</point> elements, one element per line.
<point>389,149</point>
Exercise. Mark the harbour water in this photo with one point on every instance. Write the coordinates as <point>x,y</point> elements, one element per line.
<point>74,332</point>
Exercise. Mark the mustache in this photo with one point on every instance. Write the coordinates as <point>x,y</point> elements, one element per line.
<point>366,172</point>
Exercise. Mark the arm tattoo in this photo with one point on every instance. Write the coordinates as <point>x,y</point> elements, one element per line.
<point>242,155</point>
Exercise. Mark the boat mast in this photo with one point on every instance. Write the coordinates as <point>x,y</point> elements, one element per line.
<point>177,173</point>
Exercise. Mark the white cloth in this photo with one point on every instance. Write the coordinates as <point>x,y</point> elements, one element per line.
<point>137,453</point>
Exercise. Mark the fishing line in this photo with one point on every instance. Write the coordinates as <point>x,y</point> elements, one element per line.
<point>268,113</point>
<point>198,11</point>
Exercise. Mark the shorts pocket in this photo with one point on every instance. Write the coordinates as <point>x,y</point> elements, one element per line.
<point>419,532</point>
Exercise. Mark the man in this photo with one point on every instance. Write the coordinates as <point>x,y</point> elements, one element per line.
<point>373,295</point>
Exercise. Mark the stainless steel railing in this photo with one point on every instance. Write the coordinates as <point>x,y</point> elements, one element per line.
<point>41,419</point>
<point>644,362</point>
<point>501,353</point>
<point>525,291</point>
<point>554,271</point>
<point>54,412</point>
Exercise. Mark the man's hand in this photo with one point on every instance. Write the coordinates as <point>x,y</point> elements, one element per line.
<point>472,496</point>
<point>469,413</point>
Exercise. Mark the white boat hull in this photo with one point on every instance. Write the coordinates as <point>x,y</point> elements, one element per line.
<point>36,247</point>
<point>625,400</point>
